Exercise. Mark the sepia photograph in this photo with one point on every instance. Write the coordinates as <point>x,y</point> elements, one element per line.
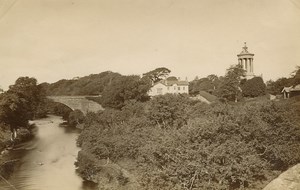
<point>149,94</point>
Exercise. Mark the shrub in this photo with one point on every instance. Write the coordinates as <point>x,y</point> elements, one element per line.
<point>254,87</point>
<point>169,110</point>
<point>75,118</point>
<point>197,146</point>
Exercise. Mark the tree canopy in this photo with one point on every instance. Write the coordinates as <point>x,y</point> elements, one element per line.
<point>296,77</point>
<point>93,84</point>
<point>125,88</point>
<point>208,84</point>
<point>230,87</point>
<point>19,103</point>
<point>254,87</point>
<point>157,74</point>
<point>275,87</point>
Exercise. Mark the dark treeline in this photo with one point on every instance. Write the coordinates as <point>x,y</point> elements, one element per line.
<point>249,88</point>
<point>96,84</point>
<point>231,87</point>
<point>93,84</point>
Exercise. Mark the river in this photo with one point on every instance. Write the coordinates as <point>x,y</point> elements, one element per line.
<point>47,161</point>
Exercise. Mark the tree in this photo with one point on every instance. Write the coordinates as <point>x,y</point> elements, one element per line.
<point>203,84</point>
<point>76,117</point>
<point>27,88</point>
<point>169,110</point>
<point>172,78</point>
<point>19,103</point>
<point>14,110</point>
<point>296,76</point>
<point>254,87</point>
<point>230,87</point>
<point>93,84</point>
<point>157,74</point>
<point>208,84</point>
<point>125,88</point>
<point>275,87</point>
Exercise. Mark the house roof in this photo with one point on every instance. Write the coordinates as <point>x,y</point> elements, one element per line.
<point>173,82</point>
<point>296,88</point>
<point>286,89</point>
<point>291,88</point>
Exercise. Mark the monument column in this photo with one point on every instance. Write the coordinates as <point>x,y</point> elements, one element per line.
<point>249,64</point>
<point>246,60</point>
<point>242,63</point>
<point>252,65</point>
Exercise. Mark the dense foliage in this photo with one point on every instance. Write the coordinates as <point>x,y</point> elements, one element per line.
<point>208,84</point>
<point>254,87</point>
<point>125,88</point>
<point>296,76</point>
<point>75,118</point>
<point>230,86</point>
<point>19,104</point>
<point>89,85</point>
<point>275,87</point>
<point>157,74</point>
<point>168,110</point>
<point>172,142</point>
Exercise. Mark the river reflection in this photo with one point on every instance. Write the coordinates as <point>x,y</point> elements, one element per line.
<point>47,162</point>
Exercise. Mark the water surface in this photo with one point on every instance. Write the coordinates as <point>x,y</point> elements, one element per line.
<point>47,161</point>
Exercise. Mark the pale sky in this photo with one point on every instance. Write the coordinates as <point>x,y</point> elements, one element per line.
<point>61,39</point>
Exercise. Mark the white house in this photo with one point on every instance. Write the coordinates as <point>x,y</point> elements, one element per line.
<point>169,86</point>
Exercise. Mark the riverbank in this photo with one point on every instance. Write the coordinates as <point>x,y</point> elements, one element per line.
<point>8,163</point>
<point>47,161</point>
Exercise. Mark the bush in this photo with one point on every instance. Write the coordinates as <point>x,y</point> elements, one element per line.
<point>123,89</point>
<point>76,117</point>
<point>254,87</point>
<point>169,110</point>
<point>197,146</point>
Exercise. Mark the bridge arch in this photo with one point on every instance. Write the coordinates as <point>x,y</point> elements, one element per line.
<point>78,102</point>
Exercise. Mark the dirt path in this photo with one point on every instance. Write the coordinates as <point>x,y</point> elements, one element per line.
<point>288,180</point>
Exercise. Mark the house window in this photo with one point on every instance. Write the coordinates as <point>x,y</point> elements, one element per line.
<point>178,88</point>
<point>159,90</point>
<point>174,87</point>
<point>183,88</point>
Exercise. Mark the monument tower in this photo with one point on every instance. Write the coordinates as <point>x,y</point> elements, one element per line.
<point>246,60</point>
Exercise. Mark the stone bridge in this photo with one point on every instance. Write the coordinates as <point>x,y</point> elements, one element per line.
<point>78,102</point>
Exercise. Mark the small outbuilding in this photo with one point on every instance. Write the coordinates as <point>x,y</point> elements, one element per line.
<point>291,91</point>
